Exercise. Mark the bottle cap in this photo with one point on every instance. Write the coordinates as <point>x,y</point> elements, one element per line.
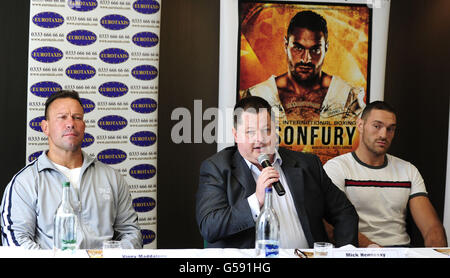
<point>268,189</point>
<point>66,184</point>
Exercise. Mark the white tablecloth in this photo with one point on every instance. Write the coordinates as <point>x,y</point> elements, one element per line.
<point>17,252</point>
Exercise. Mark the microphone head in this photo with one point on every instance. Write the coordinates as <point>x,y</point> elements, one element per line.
<point>262,157</point>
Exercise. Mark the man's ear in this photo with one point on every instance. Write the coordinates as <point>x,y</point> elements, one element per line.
<point>44,127</point>
<point>233,130</point>
<point>360,125</point>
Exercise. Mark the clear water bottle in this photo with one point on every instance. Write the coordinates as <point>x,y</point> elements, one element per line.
<point>65,223</point>
<point>267,229</point>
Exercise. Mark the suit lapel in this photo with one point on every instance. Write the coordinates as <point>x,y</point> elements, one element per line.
<point>243,174</point>
<point>294,176</point>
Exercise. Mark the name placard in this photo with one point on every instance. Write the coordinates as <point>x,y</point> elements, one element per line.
<point>367,253</point>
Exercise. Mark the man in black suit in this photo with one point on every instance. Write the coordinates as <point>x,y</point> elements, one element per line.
<point>232,184</point>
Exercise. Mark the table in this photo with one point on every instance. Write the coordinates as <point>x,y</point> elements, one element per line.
<point>18,252</point>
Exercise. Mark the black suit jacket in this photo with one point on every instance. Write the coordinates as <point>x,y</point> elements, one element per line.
<point>224,215</point>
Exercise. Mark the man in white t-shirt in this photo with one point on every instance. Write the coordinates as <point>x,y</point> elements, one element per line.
<point>381,186</point>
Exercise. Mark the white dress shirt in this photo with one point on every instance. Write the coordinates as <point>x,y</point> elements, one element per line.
<point>291,231</point>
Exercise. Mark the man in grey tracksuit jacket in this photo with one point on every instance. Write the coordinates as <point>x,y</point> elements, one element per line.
<point>100,196</point>
<point>102,204</point>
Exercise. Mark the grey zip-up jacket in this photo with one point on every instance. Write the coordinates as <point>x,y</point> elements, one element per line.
<point>103,205</point>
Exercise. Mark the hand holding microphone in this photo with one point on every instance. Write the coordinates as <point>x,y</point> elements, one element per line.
<point>263,159</point>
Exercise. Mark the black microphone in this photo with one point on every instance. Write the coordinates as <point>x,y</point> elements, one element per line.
<point>263,159</point>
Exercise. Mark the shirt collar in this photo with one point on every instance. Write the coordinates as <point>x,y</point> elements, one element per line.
<point>46,163</point>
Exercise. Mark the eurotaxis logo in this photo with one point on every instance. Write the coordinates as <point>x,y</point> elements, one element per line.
<point>112,123</point>
<point>88,105</point>
<point>144,72</point>
<point>48,20</point>
<point>80,71</point>
<point>112,156</point>
<point>82,5</point>
<point>47,54</point>
<point>144,204</point>
<point>87,140</point>
<point>114,55</point>
<point>146,6</point>
<point>143,171</point>
<point>145,39</point>
<point>148,236</point>
<point>143,138</point>
<point>113,89</point>
<point>144,105</point>
<point>35,123</point>
<point>114,22</point>
<point>81,37</point>
<point>45,88</point>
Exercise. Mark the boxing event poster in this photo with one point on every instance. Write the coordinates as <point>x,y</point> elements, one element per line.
<point>317,113</point>
<point>107,51</point>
